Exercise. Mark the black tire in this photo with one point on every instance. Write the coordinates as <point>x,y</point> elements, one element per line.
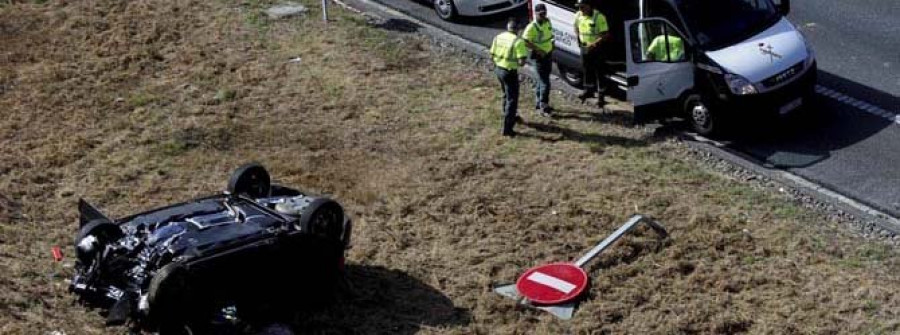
<point>445,9</point>
<point>702,118</point>
<point>251,180</point>
<point>325,218</point>
<point>571,76</point>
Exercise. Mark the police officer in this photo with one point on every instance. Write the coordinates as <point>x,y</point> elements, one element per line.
<point>509,52</point>
<point>591,30</point>
<point>666,48</point>
<point>538,36</point>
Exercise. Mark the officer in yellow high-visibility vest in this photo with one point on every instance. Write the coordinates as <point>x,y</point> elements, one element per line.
<point>666,48</point>
<point>538,36</point>
<point>592,30</point>
<point>509,52</point>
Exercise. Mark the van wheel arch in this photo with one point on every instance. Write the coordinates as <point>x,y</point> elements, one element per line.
<point>571,76</point>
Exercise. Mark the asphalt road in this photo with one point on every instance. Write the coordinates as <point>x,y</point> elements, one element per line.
<point>850,141</point>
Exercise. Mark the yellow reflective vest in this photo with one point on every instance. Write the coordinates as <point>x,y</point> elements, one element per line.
<point>658,50</point>
<point>540,34</point>
<point>590,27</point>
<point>507,49</point>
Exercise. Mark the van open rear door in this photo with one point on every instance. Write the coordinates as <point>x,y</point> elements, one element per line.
<point>658,68</point>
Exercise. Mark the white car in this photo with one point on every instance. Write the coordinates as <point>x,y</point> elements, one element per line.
<point>453,9</point>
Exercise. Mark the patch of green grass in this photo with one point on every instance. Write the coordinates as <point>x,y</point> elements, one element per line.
<point>510,148</point>
<point>850,263</point>
<point>141,99</point>
<point>866,255</point>
<point>225,95</point>
<point>877,327</point>
<point>174,147</point>
<point>787,211</point>
<point>871,306</point>
<point>873,252</point>
<point>750,260</point>
<point>218,137</point>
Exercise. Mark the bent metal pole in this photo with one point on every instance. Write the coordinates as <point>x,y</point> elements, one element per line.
<point>618,234</point>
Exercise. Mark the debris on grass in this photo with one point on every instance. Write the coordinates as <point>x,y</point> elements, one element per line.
<point>286,10</point>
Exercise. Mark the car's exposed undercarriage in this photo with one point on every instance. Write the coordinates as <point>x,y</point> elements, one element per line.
<point>256,246</point>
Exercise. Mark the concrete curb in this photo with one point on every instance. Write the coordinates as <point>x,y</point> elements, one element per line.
<point>821,193</point>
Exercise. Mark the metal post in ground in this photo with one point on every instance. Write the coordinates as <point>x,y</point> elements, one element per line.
<point>325,10</point>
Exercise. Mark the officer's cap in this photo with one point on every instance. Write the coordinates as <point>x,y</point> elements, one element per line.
<point>540,8</point>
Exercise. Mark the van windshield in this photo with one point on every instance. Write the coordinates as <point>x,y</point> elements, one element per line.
<point>720,23</point>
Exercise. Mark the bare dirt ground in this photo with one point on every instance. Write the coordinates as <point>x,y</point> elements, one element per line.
<point>136,104</point>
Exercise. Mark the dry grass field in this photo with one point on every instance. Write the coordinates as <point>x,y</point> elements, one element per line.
<point>136,104</point>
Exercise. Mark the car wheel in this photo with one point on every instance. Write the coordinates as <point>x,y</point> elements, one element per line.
<point>703,120</point>
<point>323,217</point>
<point>251,180</point>
<point>445,9</point>
<point>571,76</point>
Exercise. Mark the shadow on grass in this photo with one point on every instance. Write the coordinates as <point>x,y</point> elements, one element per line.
<point>612,117</point>
<point>595,140</point>
<point>399,25</point>
<point>383,301</point>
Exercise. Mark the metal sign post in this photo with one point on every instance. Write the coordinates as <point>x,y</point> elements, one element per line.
<point>556,287</point>
<point>325,10</point>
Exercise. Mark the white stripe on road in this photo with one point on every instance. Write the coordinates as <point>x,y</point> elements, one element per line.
<point>859,104</point>
<point>552,282</point>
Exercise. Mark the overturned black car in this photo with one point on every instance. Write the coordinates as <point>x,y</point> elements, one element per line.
<point>258,248</point>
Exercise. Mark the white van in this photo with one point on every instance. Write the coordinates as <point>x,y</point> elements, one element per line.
<point>742,54</point>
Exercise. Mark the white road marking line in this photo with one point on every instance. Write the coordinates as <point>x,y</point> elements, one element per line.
<point>858,104</point>
<point>552,282</point>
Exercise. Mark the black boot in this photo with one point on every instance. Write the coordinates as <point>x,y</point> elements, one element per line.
<point>585,95</point>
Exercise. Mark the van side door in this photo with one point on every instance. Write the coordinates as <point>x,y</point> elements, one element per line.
<point>658,67</point>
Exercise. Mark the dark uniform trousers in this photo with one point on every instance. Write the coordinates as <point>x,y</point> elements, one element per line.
<point>509,80</point>
<point>543,66</point>
<point>594,70</point>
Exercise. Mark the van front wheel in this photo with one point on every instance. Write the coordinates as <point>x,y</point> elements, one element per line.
<point>703,120</point>
<point>571,76</point>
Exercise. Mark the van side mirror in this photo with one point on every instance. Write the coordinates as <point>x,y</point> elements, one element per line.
<point>783,6</point>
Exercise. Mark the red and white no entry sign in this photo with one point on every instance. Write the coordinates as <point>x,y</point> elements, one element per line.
<point>553,287</point>
<point>552,283</point>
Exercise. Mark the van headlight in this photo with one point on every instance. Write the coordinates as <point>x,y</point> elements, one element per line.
<point>739,85</point>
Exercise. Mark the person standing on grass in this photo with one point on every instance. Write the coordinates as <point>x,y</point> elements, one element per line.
<point>538,36</point>
<point>508,53</point>
<point>591,30</point>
